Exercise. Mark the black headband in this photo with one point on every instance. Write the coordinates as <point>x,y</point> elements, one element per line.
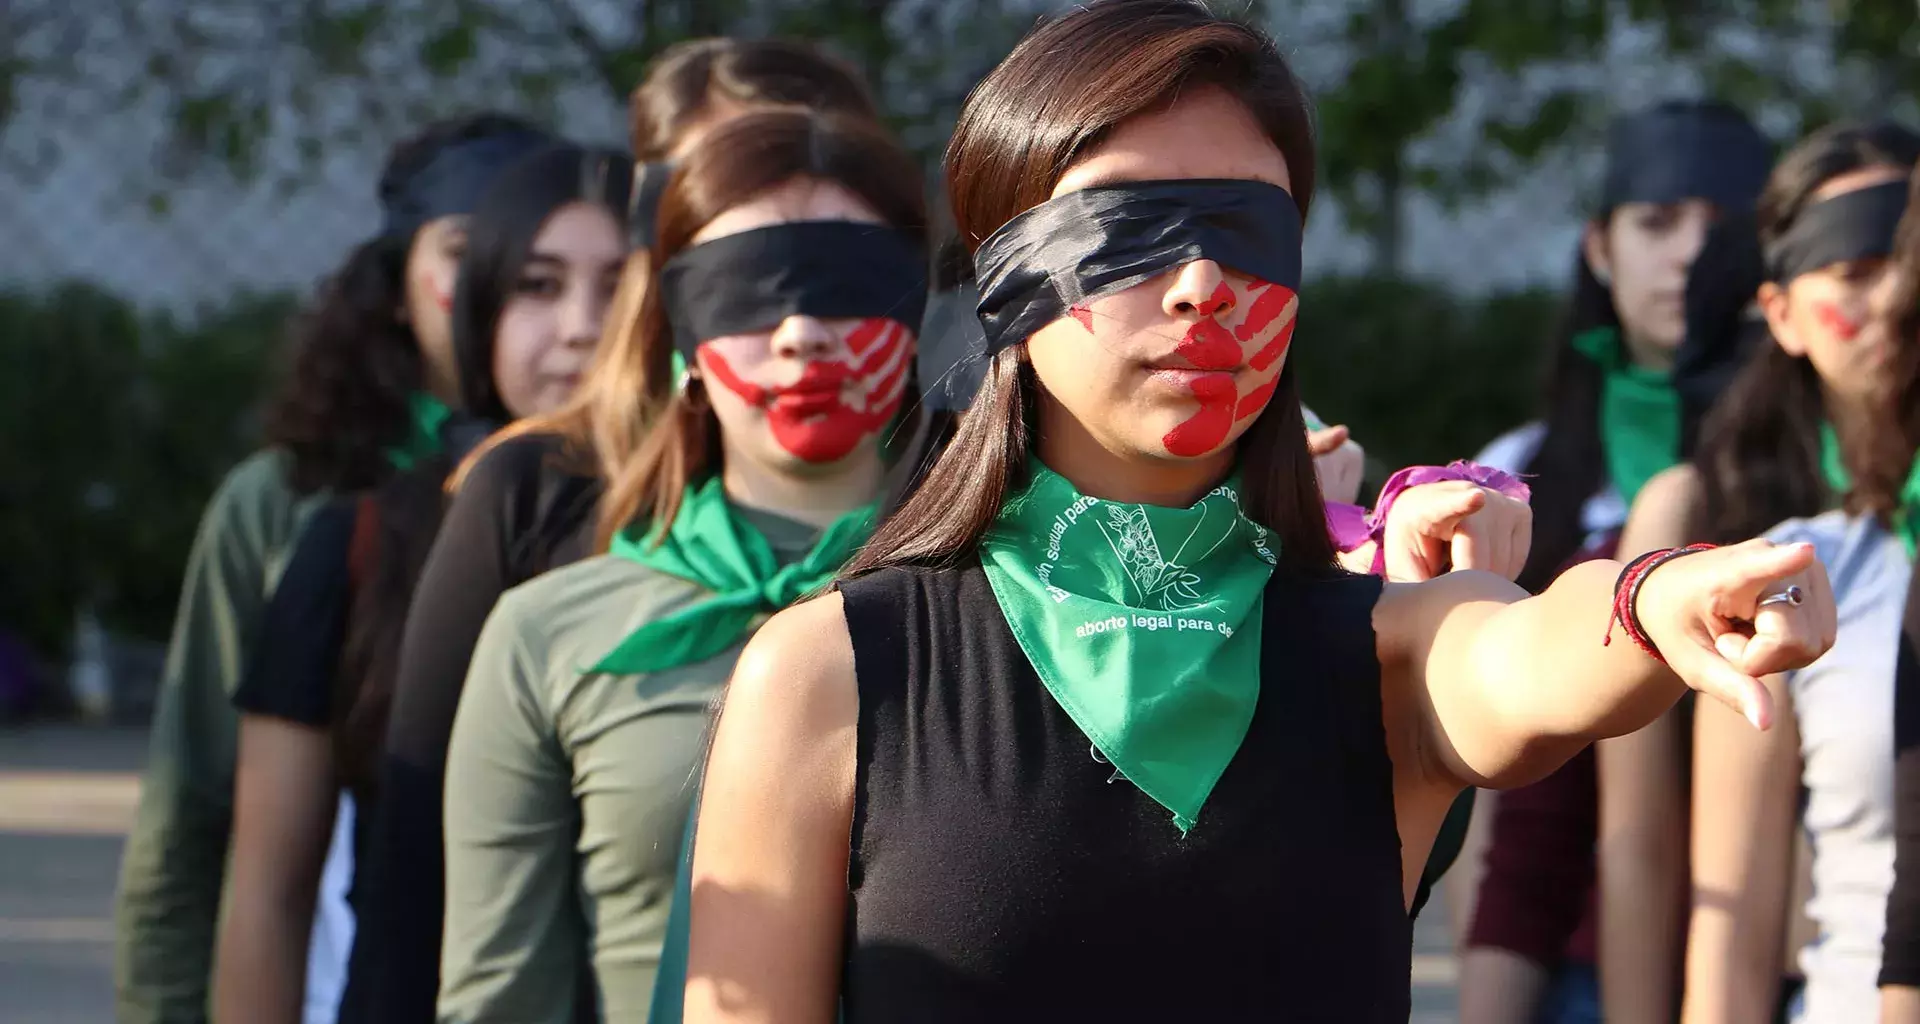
<point>1102,240</point>
<point>643,212</point>
<point>749,282</point>
<point>1856,225</point>
<point>1680,151</point>
<point>453,181</point>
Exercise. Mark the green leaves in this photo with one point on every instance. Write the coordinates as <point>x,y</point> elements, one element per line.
<point>125,422</point>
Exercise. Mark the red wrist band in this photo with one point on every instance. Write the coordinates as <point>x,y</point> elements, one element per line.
<point>1626,596</point>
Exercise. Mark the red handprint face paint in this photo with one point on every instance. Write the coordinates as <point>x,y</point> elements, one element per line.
<point>1239,366</point>
<point>834,405</point>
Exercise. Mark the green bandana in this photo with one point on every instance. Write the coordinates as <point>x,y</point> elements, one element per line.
<point>1906,518</point>
<point>710,545</point>
<point>1639,413</point>
<point>428,415</point>
<point>1142,621</point>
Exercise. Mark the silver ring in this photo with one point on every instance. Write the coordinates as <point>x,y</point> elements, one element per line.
<point>1791,597</point>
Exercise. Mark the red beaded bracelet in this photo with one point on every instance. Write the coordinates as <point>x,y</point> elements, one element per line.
<point>1626,596</point>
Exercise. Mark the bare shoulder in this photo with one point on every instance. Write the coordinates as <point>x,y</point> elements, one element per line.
<point>1665,510</point>
<point>1679,484</point>
<point>796,674</point>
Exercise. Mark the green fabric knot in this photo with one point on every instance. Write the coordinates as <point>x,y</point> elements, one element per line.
<point>709,545</point>
<point>426,416</point>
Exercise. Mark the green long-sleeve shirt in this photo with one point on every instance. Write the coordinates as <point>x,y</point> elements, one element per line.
<point>567,794</point>
<point>175,864</point>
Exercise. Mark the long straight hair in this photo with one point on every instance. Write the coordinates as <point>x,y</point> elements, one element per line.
<point>504,227</point>
<point>1570,464</point>
<point>1882,456</point>
<point>1062,90</point>
<point>648,437</point>
<point>1759,455</point>
<point>406,508</point>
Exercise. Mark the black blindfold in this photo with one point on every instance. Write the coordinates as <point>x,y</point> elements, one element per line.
<point>1681,151</point>
<point>1857,225</point>
<point>749,282</point>
<point>453,182</point>
<point>1099,241</point>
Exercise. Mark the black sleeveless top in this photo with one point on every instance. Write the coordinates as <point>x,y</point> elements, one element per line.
<point>996,874</point>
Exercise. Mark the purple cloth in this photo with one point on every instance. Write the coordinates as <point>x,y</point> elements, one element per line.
<point>1497,480</point>
<point>1348,524</point>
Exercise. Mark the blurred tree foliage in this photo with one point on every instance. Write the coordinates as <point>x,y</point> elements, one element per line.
<point>1450,100</point>
<point>1422,375</point>
<point>115,427</point>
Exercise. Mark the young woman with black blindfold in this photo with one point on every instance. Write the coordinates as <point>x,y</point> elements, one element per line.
<point>788,276</point>
<point>1611,420</point>
<point>525,502</point>
<point>1093,728</point>
<point>543,252</point>
<point>370,358</point>
<point>1816,251</point>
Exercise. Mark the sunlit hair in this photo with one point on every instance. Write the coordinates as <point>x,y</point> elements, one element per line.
<point>1059,94</point>
<point>680,91</point>
<point>1882,454</point>
<point>630,422</point>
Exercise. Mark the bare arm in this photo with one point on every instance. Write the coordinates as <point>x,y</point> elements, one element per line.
<point>1496,690</point>
<point>285,794</point>
<point>1745,785</point>
<point>1899,1004</point>
<point>1499,986</point>
<point>770,863</point>
<point>1643,809</point>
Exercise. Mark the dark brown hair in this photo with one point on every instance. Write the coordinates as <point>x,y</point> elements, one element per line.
<point>1882,455</point>
<point>1058,94</point>
<point>403,514</point>
<point>1759,454</point>
<point>650,438</point>
<point>686,78</point>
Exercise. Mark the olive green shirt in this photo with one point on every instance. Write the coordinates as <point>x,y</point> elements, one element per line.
<point>568,791</point>
<point>174,869</point>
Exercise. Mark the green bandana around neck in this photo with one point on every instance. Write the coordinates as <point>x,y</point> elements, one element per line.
<point>1906,517</point>
<point>1142,621</point>
<point>711,546</point>
<point>1639,413</point>
<point>426,416</point>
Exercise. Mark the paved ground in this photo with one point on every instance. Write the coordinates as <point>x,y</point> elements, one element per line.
<point>67,797</point>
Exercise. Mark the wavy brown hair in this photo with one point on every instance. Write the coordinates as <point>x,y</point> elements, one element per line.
<point>649,438</point>
<point>686,79</point>
<point>1060,93</point>
<point>1882,455</point>
<point>353,363</point>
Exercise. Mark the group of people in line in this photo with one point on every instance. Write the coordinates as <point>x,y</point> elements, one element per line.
<point>683,585</point>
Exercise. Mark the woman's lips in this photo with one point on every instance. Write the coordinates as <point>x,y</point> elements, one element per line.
<point>1188,377</point>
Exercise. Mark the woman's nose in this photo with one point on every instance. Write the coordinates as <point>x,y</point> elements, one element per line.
<point>1198,289</point>
<point>803,337</point>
